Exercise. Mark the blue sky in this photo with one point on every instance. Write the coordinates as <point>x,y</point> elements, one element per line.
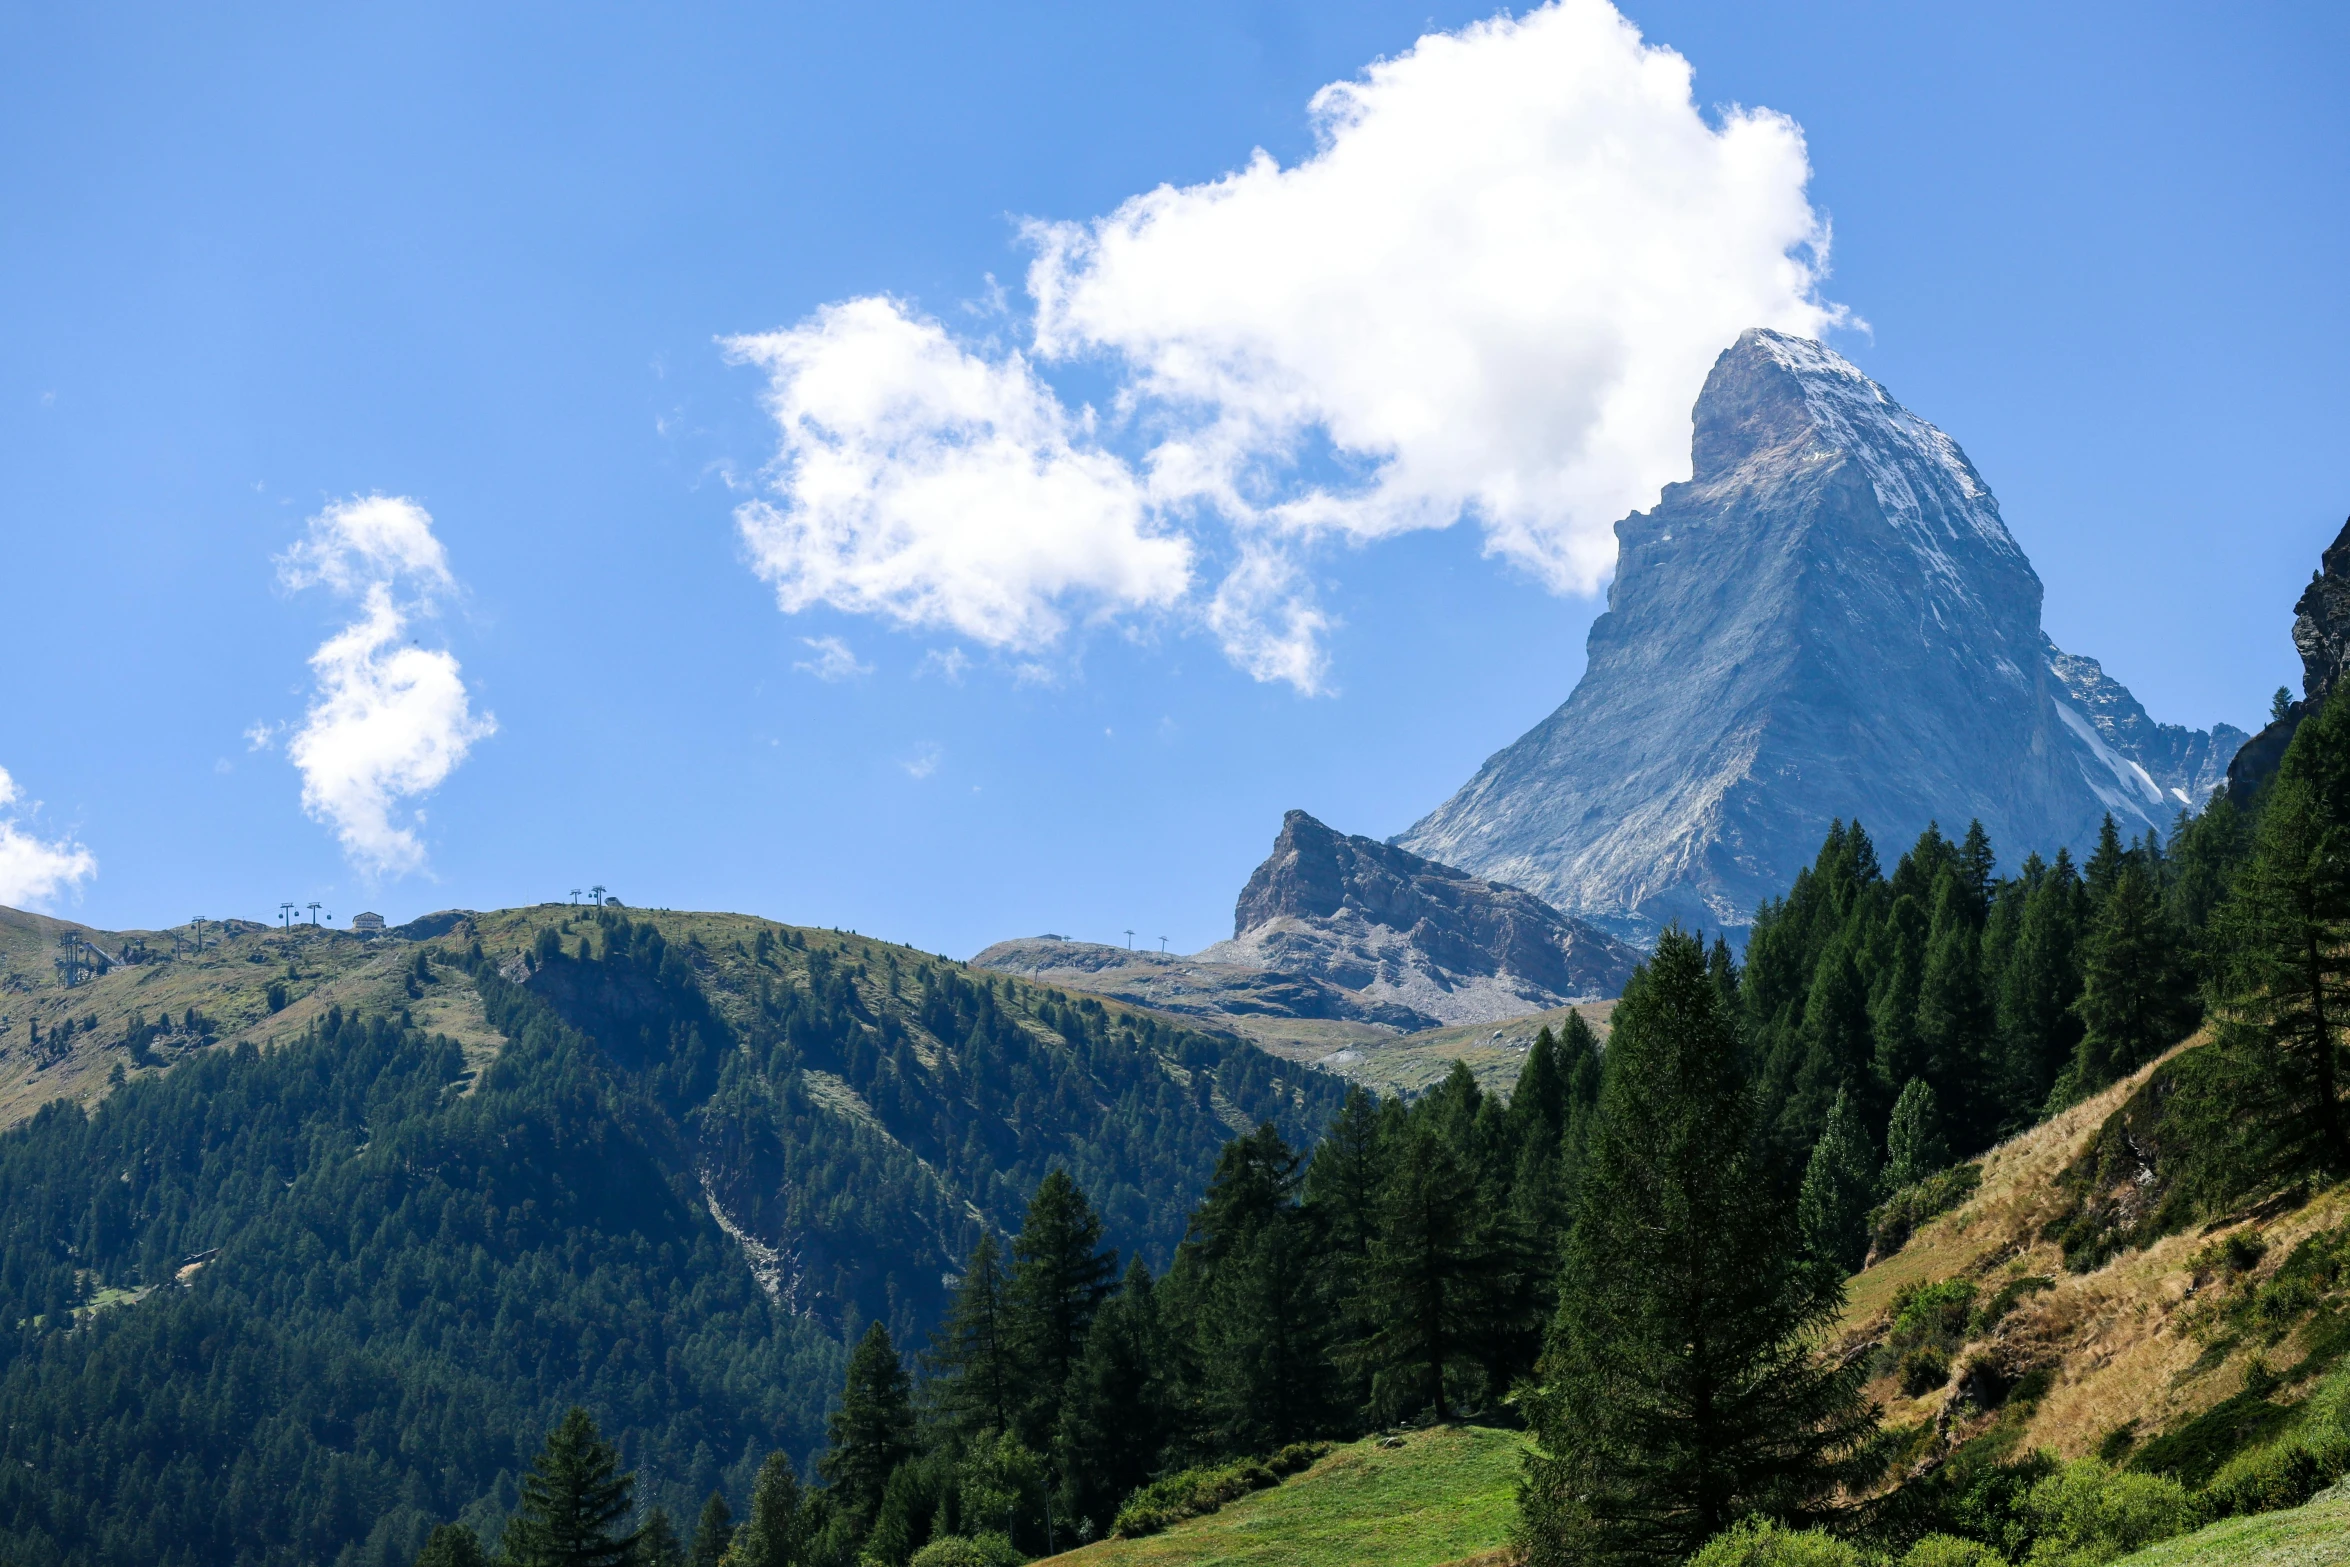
<point>261,263</point>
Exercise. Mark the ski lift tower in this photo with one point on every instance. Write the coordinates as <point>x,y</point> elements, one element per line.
<point>314,908</point>
<point>285,914</point>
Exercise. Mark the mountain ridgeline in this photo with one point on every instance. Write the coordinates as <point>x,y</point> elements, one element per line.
<point>293,1304</point>
<point>1830,620</point>
<point>1342,929</point>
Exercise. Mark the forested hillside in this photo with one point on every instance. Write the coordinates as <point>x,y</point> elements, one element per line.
<point>287,1303</point>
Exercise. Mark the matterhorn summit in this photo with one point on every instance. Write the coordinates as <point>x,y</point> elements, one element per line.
<point>1829,620</point>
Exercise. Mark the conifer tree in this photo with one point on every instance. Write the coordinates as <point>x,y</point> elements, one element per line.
<point>1955,1020</point>
<point>2286,933</point>
<point>575,1501</point>
<point>1059,1275</point>
<point>2134,1002</point>
<point>1117,1420</point>
<point>2105,862</point>
<point>1914,1143</point>
<point>1263,1341</point>
<point>1343,1178</point>
<point>872,1430</point>
<point>1682,1388</point>
<point>1977,867</point>
<point>782,1525</point>
<point>658,1545</point>
<point>1423,1295</point>
<point>452,1545</point>
<point>1839,1188</point>
<point>974,1357</point>
<point>712,1533</point>
<point>1838,1049</point>
<point>2037,1023</point>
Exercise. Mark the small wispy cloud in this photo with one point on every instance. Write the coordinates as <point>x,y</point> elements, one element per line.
<point>923,762</point>
<point>834,660</point>
<point>949,664</point>
<point>34,869</point>
<point>388,722</point>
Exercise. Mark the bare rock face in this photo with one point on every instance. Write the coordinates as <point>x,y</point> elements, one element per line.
<point>2321,635</point>
<point>2321,623</point>
<point>1334,928</point>
<point>1389,926</point>
<point>1829,620</point>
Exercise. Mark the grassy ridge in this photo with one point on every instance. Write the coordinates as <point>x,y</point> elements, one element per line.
<point>1446,1495</point>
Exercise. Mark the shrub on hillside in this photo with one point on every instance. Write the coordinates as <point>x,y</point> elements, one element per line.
<point>954,1550</point>
<point>1949,1550</point>
<point>1203,1490</point>
<point>1764,1542</point>
<point>1893,1222</point>
<point>2087,1514</point>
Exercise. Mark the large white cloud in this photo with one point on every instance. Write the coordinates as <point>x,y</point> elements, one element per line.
<point>35,869</point>
<point>1491,293</point>
<point>923,482</point>
<point>389,721</point>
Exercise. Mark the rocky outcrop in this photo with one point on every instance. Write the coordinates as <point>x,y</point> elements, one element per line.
<point>2321,623</point>
<point>1829,620</point>
<point>2321,635</point>
<point>1345,929</point>
<point>1389,925</point>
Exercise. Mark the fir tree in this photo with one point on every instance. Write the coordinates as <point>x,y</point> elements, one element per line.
<point>574,1502</point>
<point>2134,1002</point>
<point>1059,1275</point>
<point>452,1545</point>
<point>1342,1180</point>
<point>1425,1291</point>
<point>2286,932</point>
<point>1914,1144</point>
<point>658,1545</point>
<point>1838,1050</point>
<point>872,1430</point>
<point>1955,1020</point>
<point>974,1358</point>
<point>2037,1023</point>
<point>782,1525</point>
<point>1682,1388</point>
<point>1116,1421</point>
<point>712,1533</point>
<point>1839,1188</point>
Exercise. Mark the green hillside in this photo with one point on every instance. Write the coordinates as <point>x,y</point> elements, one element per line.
<point>2317,1535</point>
<point>1444,1495</point>
<point>304,1280</point>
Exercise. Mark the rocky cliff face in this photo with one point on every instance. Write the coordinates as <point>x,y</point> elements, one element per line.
<point>2321,623</point>
<point>1339,929</point>
<point>1390,926</point>
<point>1829,620</point>
<point>2321,635</point>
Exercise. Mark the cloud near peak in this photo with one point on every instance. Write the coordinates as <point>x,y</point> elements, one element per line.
<point>388,722</point>
<point>1492,293</point>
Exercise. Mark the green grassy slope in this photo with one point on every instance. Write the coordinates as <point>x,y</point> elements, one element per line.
<point>1446,1495</point>
<point>2317,1535</point>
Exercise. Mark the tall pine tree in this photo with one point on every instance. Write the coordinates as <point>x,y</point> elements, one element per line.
<point>1060,1272</point>
<point>2285,931</point>
<point>872,1430</point>
<point>575,1503</point>
<point>1683,1387</point>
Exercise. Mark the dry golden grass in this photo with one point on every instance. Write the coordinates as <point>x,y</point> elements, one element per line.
<point>2116,1340</point>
